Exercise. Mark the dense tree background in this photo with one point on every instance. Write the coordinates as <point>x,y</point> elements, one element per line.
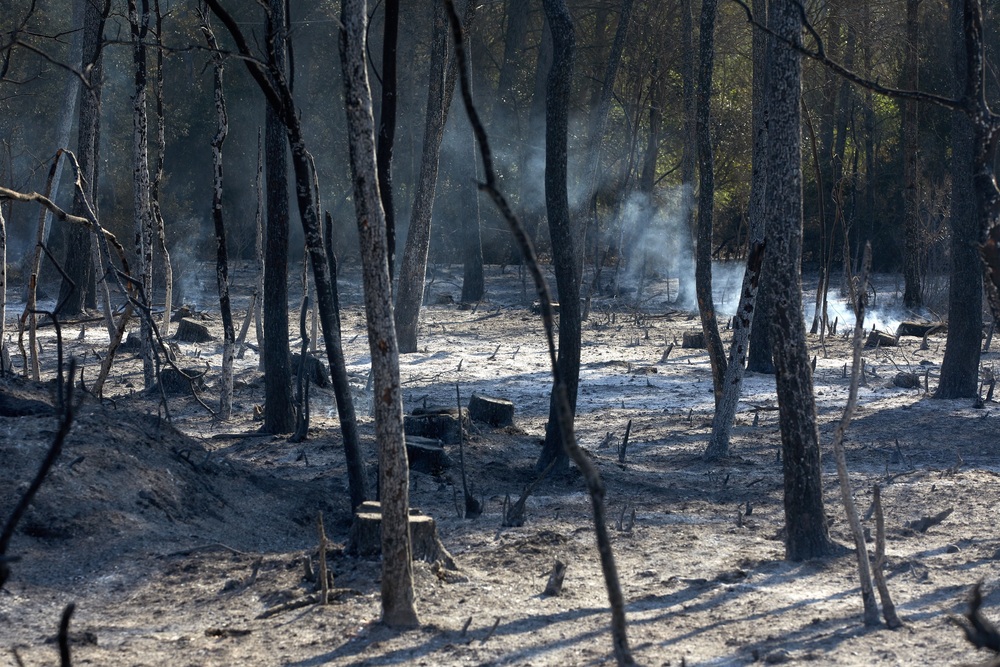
<point>860,136</point>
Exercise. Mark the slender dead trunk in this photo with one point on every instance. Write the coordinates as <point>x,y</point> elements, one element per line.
<point>706,200</point>
<point>398,607</point>
<point>561,232</point>
<point>732,382</point>
<point>222,256</point>
<point>441,87</point>
<point>140,160</point>
<point>154,194</point>
<point>387,125</point>
<point>912,297</point>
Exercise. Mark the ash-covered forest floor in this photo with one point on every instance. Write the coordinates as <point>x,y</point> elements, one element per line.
<point>172,538</point>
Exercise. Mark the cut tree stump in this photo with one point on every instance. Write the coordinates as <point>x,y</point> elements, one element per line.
<point>491,410</point>
<point>693,340</point>
<point>880,339</point>
<point>190,331</point>
<point>426,455</point>
<point>436,423</point>
<point>366,535</point>
<point>919,329</point>
<point>906,380</point>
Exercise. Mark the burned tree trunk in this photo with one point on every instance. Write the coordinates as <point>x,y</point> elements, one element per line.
<point>387,126</point>
<point>706,200</point>
<point>154,198</point>
<point>222,258</point>
<point>732,383</point>
<point>397,569</point>
<point>278,414</point>
<point>560,228</point>
<point>410,289</point>
<point>140,184</point>
<point>805,519</point>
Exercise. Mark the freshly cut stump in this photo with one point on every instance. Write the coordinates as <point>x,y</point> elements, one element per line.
<point>366,535</point>
<point>491,410</point>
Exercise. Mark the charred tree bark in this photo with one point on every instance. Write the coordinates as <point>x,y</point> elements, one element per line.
<point>473,280</point>
<point>278,414</point>
<point>78,263</point>
<point>140,159</point>
<point>561,232</point>
<point>222,257</point>
<point>706,200</point>
<point>805,520</point>
<point>154,193</point>
<point>732,382</point>
<point>960,368</point>
<point>387,125</point>
<point>759,353</point>
<point>398,608</point>
<point>689,157</point>
<point>912,243</point>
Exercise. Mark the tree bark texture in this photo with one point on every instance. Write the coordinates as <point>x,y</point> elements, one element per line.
<point>960,367</point>
<point>222,256</point>
<point>706,199</point>
<point>387,125</point>
<point>561,232</point>
<point>412,273</point>
<point>912,228</point>
<point>398,607</point>
<point>77,263</point>
<point>759,353</point>
<point>154,191</point>
<point>278,414</point>
<point>805,520</point>
<point>140,183</point>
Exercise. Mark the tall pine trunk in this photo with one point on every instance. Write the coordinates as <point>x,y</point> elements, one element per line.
<point>805,519</point>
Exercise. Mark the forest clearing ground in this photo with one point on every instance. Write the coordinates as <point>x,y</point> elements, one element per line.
<point>156,532</point>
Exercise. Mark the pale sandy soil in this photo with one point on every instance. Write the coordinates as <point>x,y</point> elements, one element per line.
<point>154,530</point>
